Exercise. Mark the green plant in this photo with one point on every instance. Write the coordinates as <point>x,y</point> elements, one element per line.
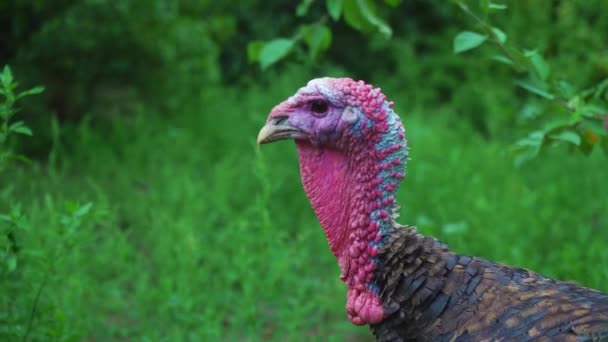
<point>14,221</point>
<point>577,115</point>
<point>8,126</point>
<point>569,114</point>
<point>361,15</point>
<point>20,259</point>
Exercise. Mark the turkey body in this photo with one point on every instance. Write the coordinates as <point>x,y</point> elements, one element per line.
<point>432,294</point>
<point>352,151</point>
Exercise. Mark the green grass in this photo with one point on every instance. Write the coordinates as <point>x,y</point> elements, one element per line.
<point>197,234</point>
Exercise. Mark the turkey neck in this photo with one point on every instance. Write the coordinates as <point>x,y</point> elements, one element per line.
<point>340,197</point>
<point>353,198</point>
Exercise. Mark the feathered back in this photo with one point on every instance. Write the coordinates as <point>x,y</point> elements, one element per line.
<point>436,295</point>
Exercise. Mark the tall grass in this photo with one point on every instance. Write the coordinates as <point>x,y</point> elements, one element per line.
<point>197,234</point>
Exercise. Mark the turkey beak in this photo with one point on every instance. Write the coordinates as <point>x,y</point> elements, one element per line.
<point>278,128</point>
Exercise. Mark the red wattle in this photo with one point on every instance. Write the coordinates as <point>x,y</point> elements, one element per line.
<point>343,205</point>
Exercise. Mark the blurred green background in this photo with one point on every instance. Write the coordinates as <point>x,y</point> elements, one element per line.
<point>147,213</point>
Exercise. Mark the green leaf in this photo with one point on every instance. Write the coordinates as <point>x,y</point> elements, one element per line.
<point>600,89</point>
<point>21,158</point>
<point>468,40</point>
<point>361,15</point>
<point>565,89</point>
<point>497,7</point>
<point>525,155</point>
<point>489,6</point>
<point>368,11</point>
<point>318,38</point>
<point>528,147</point>
<point>353,16</point>
<point>21,128</point>
<point>334,8</point>
<point>253,50</point>
<point>575,102</point>
<point>6,77</point>
<point>592,109</point>
<point>83,210</point>
<point>567,136</point>
<point>535,89</point>
<point>503,59</point>
<point>274,50</point>
<point>303,7</point>
<point>533,139</point>
<point>500,35</point>
<point>33,91</point>
<point>557,125</point>
<point>540,66</point>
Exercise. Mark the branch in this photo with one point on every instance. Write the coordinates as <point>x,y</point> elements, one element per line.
<point>517,63</point>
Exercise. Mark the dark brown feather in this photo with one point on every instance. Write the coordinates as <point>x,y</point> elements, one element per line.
<point>436,295</point>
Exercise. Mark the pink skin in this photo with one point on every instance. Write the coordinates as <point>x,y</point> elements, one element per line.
<point>341,167</point>
<point>343,214</point>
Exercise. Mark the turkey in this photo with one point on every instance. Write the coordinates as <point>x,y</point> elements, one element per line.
<point>352,152</point>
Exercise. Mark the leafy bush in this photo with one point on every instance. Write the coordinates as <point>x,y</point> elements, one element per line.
<point>572,113</point>
<point>8,126</point>
<point>101,57</point>
<point>30,257</point>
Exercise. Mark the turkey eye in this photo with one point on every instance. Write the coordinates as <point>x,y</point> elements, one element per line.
<point>319,107</point>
